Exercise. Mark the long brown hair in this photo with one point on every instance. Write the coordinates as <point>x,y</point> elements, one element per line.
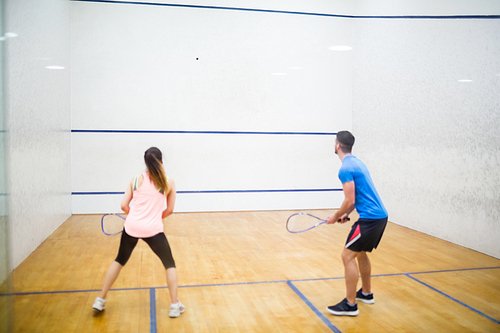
<point>153,159</point>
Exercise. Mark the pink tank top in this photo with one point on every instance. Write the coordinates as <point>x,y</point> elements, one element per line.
<point>144,218</point>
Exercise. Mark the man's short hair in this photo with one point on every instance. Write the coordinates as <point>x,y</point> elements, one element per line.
<point>346,141</point>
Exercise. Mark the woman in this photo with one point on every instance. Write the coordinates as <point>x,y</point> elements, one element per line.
<point>144,220</point>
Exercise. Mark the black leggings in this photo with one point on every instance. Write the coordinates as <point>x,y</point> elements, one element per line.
<point>158,243</point>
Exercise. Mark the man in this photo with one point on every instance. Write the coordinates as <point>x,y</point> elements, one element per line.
<point>365,235</point>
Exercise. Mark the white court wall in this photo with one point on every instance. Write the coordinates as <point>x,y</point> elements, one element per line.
<point>431,141</point>
<point>4,240</point>
<point>268,78</point>
<point>38,122</point>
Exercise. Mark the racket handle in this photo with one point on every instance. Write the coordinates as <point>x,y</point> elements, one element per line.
<point>348,219</point>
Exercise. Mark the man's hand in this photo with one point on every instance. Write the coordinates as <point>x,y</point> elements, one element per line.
<point>336,219</point>
<point>332,219</point>
<point>344,218</point>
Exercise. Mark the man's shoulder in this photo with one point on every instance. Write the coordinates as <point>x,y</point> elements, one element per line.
<point>350,160</point>
<point>352,164</point>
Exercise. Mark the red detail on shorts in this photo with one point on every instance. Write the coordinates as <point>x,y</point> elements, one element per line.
<point>355,234</point>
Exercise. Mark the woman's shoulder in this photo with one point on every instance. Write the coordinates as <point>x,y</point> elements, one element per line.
<point>170,184</point>
<point>137,181</point>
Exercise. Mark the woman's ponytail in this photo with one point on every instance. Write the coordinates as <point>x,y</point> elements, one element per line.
<point>153,159</point>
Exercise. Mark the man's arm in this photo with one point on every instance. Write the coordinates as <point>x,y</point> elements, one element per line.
<point>347,206</point>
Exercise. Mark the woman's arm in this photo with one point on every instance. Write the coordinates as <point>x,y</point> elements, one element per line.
<point>127,197</point>
<point>170,199</point>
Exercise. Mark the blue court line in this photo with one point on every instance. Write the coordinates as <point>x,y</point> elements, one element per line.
<point>236,283</point>
<point>453,270</point>
<point>199,132</point>
<point>224,191</point>
<point>98,193</point>
<point>28,293</point>
<point>453,299</point>
<point>296,12</point>
<point>226,284</point>
<point>288,282</point>
<point>152,310</point>
<point>315,310</point>
<point>431,272</point>
<point>149,288</point>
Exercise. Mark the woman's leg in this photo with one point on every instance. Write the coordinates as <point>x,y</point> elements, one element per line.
<point>160,246</point>
<point>172,284</point>
<point>127,245</point>
<point>113,272</point>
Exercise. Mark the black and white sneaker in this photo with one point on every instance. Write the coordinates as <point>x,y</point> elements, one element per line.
<point>368,299</point>
<point>344,309</point>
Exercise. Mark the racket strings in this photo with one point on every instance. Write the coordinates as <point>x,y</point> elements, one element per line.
<point>301,222</point>
<point>112,224</point>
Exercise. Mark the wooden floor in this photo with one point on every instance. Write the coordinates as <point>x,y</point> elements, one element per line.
<point>243,272</point>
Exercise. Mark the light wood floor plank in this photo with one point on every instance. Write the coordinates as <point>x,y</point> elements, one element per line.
<point>401,305</point>
<point>271,307</point>
<point>221,256</point>
<point>479,289</point>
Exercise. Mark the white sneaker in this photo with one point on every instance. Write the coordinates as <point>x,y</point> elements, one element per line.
<point>99,304</point>
<point>176,310</point>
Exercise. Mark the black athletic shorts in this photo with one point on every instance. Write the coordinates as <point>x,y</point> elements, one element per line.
<point>365,235</point>
<point>158,243</point>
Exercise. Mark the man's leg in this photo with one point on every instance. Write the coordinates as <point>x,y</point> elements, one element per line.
<point>348,306</point>
<point>365,269</point>
<point>351,274</point>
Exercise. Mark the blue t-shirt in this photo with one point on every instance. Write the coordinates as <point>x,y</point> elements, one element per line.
<point>368,203</point>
